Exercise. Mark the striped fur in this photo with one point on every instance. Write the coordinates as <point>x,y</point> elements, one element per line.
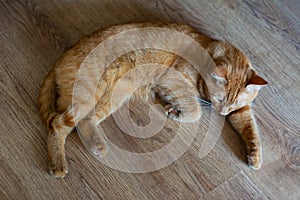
<point>233,71</point>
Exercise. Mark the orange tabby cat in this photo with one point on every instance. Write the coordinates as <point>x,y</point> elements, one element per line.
<point>233,72</point>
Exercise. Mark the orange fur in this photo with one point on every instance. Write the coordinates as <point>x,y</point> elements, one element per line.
<point>232,71</point>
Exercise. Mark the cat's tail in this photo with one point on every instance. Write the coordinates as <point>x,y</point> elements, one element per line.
<point>46,101</point>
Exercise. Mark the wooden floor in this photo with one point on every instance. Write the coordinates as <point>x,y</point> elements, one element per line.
<point>34,33</point>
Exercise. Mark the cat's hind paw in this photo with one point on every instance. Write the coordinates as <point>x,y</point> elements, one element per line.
<point>58,167</point>
<point>99,149</point>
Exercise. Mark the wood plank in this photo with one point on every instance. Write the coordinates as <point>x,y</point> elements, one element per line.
<point>34,33</point>
<point>239,186</point>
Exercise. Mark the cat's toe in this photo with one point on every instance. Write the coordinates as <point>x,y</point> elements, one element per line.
<point>172,112</point>
<point>60,173</point>
<point>58,168</point>
<point>254,162</point>
<point>99,149</point>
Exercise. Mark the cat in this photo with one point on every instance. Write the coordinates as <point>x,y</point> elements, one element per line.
<point>232,71</point>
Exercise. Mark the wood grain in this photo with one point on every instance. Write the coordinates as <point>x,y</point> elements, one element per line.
<point>34,33</point>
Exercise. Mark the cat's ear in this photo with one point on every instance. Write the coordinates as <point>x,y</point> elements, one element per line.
<point>219,74</point>
<point>255,82</point>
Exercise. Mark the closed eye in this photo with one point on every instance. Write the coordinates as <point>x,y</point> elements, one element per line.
<point>219,99</point>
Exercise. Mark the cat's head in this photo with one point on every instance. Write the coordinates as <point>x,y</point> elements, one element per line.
<point>236,84</point>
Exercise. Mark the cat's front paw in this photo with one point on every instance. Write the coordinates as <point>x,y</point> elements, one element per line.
<point>173,112</point>
<point>58,166</point>
<point>254,160</point>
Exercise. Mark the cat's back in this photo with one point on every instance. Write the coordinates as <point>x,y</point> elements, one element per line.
<point>67,67</point>
<point>84,46</point>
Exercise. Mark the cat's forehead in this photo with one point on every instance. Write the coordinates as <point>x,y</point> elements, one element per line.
<point>219,52</point>
<point>231,54</point>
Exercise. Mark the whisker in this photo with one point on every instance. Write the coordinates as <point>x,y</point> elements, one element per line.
<point>202,101</point>
<point>188,100</point>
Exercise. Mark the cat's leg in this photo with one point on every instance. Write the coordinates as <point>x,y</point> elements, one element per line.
<point>59,129</point>
<point>243,121</point>
<point>91,136</point>
<point>89,128</point>
<point>179,104</point>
